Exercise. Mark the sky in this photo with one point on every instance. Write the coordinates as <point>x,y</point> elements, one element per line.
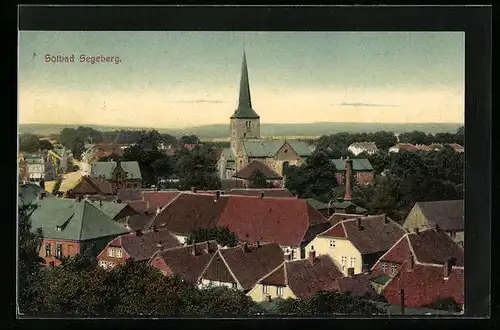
<point>167,79</point>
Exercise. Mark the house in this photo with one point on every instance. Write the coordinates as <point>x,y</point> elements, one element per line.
<point>30,193</point>
<point>271,176</point>
<point>72,227</point>
<point>120,174</point>
<point>286,221</point>
<point>158,199</point>
<point>34,168</point>
<point>357,148</point>
<point>297,279</point>
<point>457,147</point>
<point>268,192</point>
<point>357,243</point>
<point>446,215</point>
<point>242,266</point>
<point>187,261</point>
<point>361,167</point>
<point>402,146</point>
<point>246,143</point>
<point>74,184</point>
<point>139,245</point>
<point>22,175</point>
<point>428,265</point>
<point>114,210</point>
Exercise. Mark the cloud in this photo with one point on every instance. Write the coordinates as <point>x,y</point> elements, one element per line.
<point>197,101</point>
<point>357,104</point>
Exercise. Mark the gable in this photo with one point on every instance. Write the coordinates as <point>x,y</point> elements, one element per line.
<point>335,231</point>
<point>217,271</point>
<point>286,152</point>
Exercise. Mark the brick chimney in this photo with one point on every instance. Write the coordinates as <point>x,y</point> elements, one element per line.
<point>217,194</point>
<point>350,271</point>
<point>261,194</point>
<point>159,246</point>
<point>358,223</point>
<point>348,170</point>
<point>411,263</point>
<point>193,189</point>
<point>448,264</point>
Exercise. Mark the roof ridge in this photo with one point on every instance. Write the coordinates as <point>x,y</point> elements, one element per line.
<point>207,265</point>
<point>382,256</point>
<point>345,231</point>
<point>230,270</point>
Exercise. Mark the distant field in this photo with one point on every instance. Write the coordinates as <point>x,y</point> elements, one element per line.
<point>220,132</point>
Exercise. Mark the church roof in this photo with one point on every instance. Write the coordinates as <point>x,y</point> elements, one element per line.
<point>244,110</point>
<point>269,148</point>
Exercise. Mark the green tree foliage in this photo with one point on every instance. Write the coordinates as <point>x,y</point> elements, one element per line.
<point>45,145</point>
<point>29,143</point>
<point>259,180</point>
<point>218,301</point>
<point>197,168</point>
<point>328,303</point>
<point>313,179</point>
<point>75,139</point>
<point>336,145</point>
<point>189,139</point>
<point>416,137</point>
<point>222,235</point>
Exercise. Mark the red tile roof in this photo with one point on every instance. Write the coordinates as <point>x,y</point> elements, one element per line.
<point>377,233</point>
<point>247,171</point>
<point>268,192</point>
<point>359,284</point>
<point>405,146</point>
<point>158,199</point>
<point>424,285</point>
<point>129,194</point>
<point>304,278</point>
<point>142,247</point>
<point>191,211</point>
<point>272,220</point>
<point>183,262</point>
<point>247,266</point>
<point>428,247</point>
<point>101,184</point>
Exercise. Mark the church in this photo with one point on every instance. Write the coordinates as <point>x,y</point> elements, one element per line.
<point>247,146</point>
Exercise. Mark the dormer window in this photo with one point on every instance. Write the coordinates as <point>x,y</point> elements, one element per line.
<point>58,228</point>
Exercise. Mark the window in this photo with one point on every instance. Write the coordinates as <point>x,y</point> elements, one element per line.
<point>383,265</point>
<point>265,289</point>
<point>279,291</point>
<point>119,253</point>
<point>343,262</point>
<point>47,249</point>
<point>393,269</point>
<point>58,250</point>
<point>292,255</point>
<point>332,243</point>
<point>111,252</point>
<point>102,263</point>
<point>353,261</point>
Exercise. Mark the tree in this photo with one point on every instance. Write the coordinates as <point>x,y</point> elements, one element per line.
<point>45,145</point>
<point>197,168</point>
<point>384,140</point>
<point>28,143</point>
<point>258,180</point>
<point>189,139</point>
<point>222,235</point>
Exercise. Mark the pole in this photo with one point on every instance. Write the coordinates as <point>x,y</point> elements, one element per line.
<point>402,301</point>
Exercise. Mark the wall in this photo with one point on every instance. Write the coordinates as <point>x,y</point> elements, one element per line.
<point>239,130</point>
<point>416,219</point>
<point>296,251</point>
<point>257,295</point>
<point>69,248</point>
<point>205,283</point>
<point>113,260</point>
<point>342,247</point>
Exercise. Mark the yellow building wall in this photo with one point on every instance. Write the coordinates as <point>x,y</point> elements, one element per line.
<point>258,296</point>
<point>416,219</point>
<point>342,248</point>
<point>296,251</point>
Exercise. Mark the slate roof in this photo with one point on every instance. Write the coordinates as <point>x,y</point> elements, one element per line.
<point>28,194</point>
<point>111,209</point>
<point>358,164</point>
<point>144,246</point>
<point>106,169</point>
<point>449,215</point>
<point>244,110</point>
<point>304,278</point>
<point>375,235</point>
<point>181,260</point>
<point>424,284</point>
<point>268,192</point>
<point>273,220</point>
<point>79,221</point>
<point>268,148</point>
<point>247,171</point>
<point>228,154</point>
<point>247,266</point>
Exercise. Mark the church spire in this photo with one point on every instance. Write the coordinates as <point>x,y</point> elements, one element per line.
<point>244,109</point>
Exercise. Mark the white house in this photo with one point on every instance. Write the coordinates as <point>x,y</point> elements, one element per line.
<point>359,147</point>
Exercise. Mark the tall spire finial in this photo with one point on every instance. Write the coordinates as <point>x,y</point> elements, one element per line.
<point>244,109</point>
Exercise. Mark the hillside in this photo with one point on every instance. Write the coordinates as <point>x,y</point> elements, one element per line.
<point>291,130</point>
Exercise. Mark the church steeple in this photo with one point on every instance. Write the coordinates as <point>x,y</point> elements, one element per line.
<point>244,110</point>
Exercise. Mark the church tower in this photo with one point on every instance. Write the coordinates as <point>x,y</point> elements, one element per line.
<point>245,122</point>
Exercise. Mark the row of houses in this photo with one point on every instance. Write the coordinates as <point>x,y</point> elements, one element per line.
<point>288,249</point>
<point>371,148</point>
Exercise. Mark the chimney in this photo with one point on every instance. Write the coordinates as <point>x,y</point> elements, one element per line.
<point>159,245</point>
<point>158,209</point>
<point>312,255</point>
<point>417,231</point>
<point>217,194</point>
<point>261,194</point>
<point>193,189</point>
<point>245,247</point>
<point>350,271</point>
<point>138,232</point>
<point>258,244</point>
<point>402,301</point>
<point>194,250</point>
<point>437,227</point>
<point>448,264</point>
<point>386,219</point>
<point>155,229</point>
<point>348,169</point>
<point>358,222</point>
<point>411,263</point>
<point>210,247</point>
<point>100,203</point>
